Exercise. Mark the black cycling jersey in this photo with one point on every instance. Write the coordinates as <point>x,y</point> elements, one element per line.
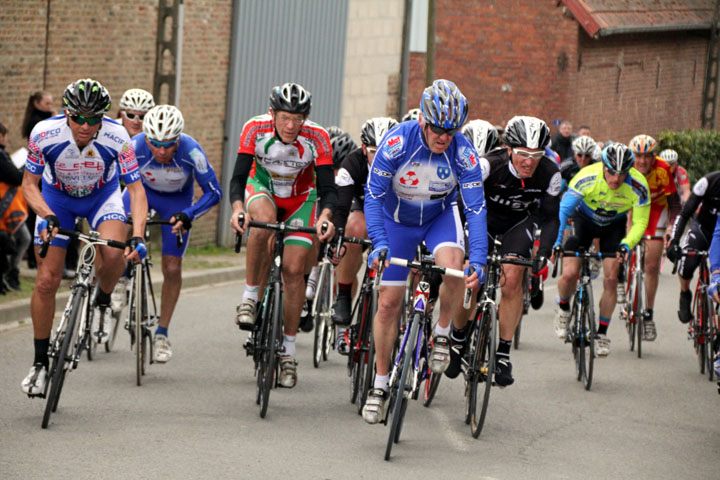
<point>706,195</point>
<point>350,183</point>
<point>511,199</point>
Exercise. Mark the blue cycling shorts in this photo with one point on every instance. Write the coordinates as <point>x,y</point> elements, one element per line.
<point>166,205</point>
<point>101,205</point>
<point>445,231</point>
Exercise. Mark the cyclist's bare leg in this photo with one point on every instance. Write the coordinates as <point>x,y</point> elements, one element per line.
<point>385,325</point>
<point>110,263</point>
<point>608,299</point>
<point>172,282</point>
<point>684,283</point>
<point>568,279</point>
<point>653,256</point>
<point>256,257</point>
<point>510,309</point>
<point>42,303</point>
<point>352,261</point>
<point>452,289</point>
<point>294,258</point>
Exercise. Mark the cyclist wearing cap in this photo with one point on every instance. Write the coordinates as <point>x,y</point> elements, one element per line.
<point>350,182</point>
<point>79,155</point>
<point>134,104</point>
<point>410,198</point>
<point>170,162</point>
<point>663,209</point>
<point>702,207</point>
<point>281,155</point>
<point>680,175</point>
<point>522,188</point>
<point>598,199</point>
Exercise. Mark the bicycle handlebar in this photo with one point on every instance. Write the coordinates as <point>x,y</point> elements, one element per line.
<point>155,221</point>
<point>434,268</point>
<point>690,252</point>
<point>93,237</point>
<point>278,226</point>
<point>562,253</point>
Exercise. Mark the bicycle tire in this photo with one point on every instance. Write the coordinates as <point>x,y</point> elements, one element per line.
<point>58,371</point>
<point>431,386</point>
<point>358,345</point>
<point>114,322</point>
<point>88,342</point>
<point>577,339</point>
<point>588,328</point>
<point>398,397</point>
<point>700,332</point>
<point>368,375</point>
<point>270,358</point>
<point>138,321</point>
<point>640,313</point>
<point>483,359</point>
<point>319,310</point>
<point>710,340</point>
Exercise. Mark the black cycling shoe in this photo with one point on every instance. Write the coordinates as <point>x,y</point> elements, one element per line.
<point>342,310</point>
<point>456,353</point>
<point>536,296</point>
<point>306,319</point>
<point>503,372</point>
<point>684,313</point>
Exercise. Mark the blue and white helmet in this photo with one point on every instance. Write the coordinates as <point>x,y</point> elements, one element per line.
<point>618,158</point>
<point>443,105</point>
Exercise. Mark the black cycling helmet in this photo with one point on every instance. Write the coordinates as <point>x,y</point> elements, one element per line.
<point>617,158</point>
<point>292,98</point>
<point>334,131</point>
<point>527,132</point>
<point>341,146</point>
<point>374,129</point>
<point>86,97</point>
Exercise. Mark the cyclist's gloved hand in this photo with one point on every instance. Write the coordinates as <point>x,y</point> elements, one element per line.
<point>50,222</point>
<point>674,251</point>
<point>714,284</point>
<point>138,244</point>
<point>376,253</point>
<point>540,267</point>
<point>184,218</point>
<point>623,249</point>
<point>479,269</point>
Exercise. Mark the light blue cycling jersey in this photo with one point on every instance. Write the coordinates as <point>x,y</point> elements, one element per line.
<point>173,181</point>
<point>410,185</point>
<point>53,153</point>
<point>714,254</point>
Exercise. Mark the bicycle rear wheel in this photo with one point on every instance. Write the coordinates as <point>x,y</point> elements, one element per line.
<point>588,341</point>
<point>62,358</point>
<point>482,369</point>
<point>398,397</point>
<point>431,386</point>
<point>268,362</point>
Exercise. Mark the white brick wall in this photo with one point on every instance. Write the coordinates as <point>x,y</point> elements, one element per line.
<point>373,51</point>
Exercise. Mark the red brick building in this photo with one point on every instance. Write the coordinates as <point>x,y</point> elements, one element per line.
<point>622,67</point>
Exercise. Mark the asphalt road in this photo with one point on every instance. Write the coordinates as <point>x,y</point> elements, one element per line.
<point>196,417</point>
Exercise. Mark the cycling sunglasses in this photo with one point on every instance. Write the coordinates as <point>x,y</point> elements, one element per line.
<point>528,155</point>
<point>80,120</point>
<point>167,144</point>
<point>439,130</point>
<point>133,116</point>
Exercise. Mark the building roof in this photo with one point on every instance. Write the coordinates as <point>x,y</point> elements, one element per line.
<point>601,18</point>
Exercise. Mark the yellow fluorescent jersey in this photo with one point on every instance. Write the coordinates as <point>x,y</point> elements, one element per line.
<point>590,196</point>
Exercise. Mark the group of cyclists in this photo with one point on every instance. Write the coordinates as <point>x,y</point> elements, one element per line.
<point>461,188</point>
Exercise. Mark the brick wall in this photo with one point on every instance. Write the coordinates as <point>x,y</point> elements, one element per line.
<point>114,43</point>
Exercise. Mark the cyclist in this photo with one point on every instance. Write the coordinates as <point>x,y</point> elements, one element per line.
<point>522,188</point>
<point>170,162</point>
<point>680,175</point>
<point>598,199</point>
<point>409,198</point>
<point>80,155</point>
<point>583,148</point>
<point>286,153</point>
<point>350,182</point>
<point>412,114</point>
<point>134,104</point>
<point>714,256</point>
<point>664,207</point>
<point>705,195</point>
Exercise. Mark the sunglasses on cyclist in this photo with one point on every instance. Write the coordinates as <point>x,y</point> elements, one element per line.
<point>439,130</point>
<point>525,155</point>
<point>133,116</point>
<point>167,144</point>
<point>372,149</point>
<point>614,172</point>
<point>80,120</point>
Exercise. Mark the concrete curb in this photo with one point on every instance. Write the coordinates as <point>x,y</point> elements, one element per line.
<point>18,312</point>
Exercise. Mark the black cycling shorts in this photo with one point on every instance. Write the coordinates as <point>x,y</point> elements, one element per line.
<point>696,238</point>
<point>584,231</point>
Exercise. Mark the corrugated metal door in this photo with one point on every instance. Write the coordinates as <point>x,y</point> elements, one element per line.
<point>278,41</point>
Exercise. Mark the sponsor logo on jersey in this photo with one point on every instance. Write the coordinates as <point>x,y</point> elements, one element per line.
<point>555,184</point>
<point>472,185</point>
<point>343,178</point>
<point>440,186</point>
<point>297,222</point>
<point>114,138</point>
<point>468,158</point>
<point>200,161</point>
<point>409,179</point>
<point>393,146</point>
<point>46,134</point>
<point>90,153</point>
<point>382,173</point>
<point>579,184</point>
<point>443,172</point>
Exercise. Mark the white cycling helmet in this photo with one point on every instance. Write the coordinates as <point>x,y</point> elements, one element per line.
<point>482,135</point>
<point>669,155</point>
<point>583,145</point>
<point>137,99</point>
<point>163,122</point>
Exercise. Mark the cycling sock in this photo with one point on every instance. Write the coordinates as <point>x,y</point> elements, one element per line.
<point>41,351</point>
<point>503,349</point>
<point>604,324</point>
<point>251,292</point>
<point>459,337</point>
<point>161,330</point>
<point>289,343</point>
<point>381,382</point>
<point>444,331</point>
<point>344,287</point>
<point>649,315</point>
<point>102,299</point>
<point>311,283</point>
<point>563,303</point>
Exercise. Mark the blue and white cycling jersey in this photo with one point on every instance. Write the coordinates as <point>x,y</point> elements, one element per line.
<point>53,153</point>
<point>174,181</point>
<point>410,185</point>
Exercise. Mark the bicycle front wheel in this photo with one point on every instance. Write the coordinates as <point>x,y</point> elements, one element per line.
<point>482,368</point>
<point>639,312</point>
<point>703,347</point>
<point>138,308</point>
<point>359,336</point>
<point>588,341</point>
<point>398,395</point>
<point>268,362</point>
<point>321,309</point>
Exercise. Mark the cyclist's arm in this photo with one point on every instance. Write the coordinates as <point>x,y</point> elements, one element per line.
<point>138,207</point>
<point>212,192</point>
<point>379,183</point>
<point>471,187</point>
<point>549,215</point>
<point>33,196</point>
<point>691,205</point>
<point>714,255</point>
<point>241,171</point>
<point>342,210</point>
<point>640,218</point>
<point>326,189</point>
<point>568,204</point>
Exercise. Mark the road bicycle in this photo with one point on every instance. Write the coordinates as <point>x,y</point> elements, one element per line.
<point>266,341</point>
<point>322,304</point>
<point>74,332</point>
<point>634,310</point>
